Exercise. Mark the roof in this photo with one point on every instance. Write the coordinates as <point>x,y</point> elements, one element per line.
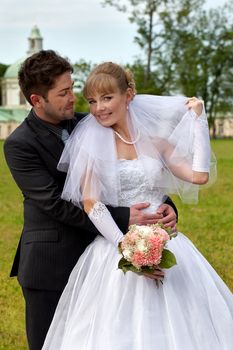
<point>35,33</point>
<point>12,70</point>
<point>16,114</point>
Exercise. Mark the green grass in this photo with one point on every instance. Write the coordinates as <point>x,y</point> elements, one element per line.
<point>12,333</point>
<point>208,224</point>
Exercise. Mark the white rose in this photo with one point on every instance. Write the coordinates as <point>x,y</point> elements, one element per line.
<point>145,230</point>
<point>141,246</point>
<point>127,253</point>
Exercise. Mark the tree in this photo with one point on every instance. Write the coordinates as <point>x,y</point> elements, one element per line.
<point>219,80</point>
<point>3,68</point>
<point>80,74</point>
<point>188,50</point>
<point>146,14</point>
<point>206,67</point>
<point>156,21</point>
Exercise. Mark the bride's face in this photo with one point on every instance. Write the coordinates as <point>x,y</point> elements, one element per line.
<point>110,109</point>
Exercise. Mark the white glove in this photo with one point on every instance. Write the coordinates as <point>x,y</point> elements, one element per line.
<point>201,144</point>
<point>103,221</point>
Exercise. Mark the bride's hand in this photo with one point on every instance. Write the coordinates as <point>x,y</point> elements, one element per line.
<point>195,104</point>
<point>157,275</point>
<point>168,216</point>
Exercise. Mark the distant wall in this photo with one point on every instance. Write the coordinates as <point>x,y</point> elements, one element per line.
<point>7,128</point>
<point>224,127</point>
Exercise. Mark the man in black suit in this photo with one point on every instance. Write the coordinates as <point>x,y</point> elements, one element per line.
<point>55,232</point>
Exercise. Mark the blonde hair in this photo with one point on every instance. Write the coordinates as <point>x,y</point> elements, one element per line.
<point>106,78</point>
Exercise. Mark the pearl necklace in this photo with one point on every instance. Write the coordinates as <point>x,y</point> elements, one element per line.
<point>128,142</point>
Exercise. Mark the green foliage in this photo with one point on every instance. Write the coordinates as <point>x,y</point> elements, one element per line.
<point>168,259</point>
<point>156,21</point>
<point>81,104</point>
<point>80,74</point>
<point>206,49</point>
<point>12,332</point>
<point>125,266</point>
<point>208,225</point>
<point>186,50</point>
<point>151,86</point>
<point>3,68</point>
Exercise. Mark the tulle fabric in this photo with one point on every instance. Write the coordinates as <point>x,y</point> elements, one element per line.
<point>101,308</point>
<point>164,123</point>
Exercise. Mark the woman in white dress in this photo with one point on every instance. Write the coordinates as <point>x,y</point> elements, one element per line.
<point>130,149</point>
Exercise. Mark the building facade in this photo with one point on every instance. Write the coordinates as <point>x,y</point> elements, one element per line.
<point>224,126</point>
<point>14,105</point>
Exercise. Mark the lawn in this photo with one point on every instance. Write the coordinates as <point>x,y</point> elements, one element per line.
<point>208,224</point>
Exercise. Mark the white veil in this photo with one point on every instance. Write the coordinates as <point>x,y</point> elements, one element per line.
<point>164,122</point>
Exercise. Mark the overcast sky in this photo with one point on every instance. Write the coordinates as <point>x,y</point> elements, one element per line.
<point>75,28</point>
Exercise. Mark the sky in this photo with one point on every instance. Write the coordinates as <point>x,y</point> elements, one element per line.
<point>74,28</point>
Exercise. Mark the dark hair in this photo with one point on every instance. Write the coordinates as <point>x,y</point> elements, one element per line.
<point>38,72</point>
<point>108,76</point>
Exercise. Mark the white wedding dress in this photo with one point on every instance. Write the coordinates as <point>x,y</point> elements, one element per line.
<point>102,308</point>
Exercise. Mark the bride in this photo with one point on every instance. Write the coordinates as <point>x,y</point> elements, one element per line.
<point>136,148</point>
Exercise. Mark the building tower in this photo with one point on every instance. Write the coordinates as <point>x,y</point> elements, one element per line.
<point>35,41</point>
<point>14,105</point>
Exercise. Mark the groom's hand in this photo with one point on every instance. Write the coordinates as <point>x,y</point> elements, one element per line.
<point>140,217</point>
<point>165,214</point>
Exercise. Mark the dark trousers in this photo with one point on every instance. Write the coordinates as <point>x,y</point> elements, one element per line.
<point>40,308</point>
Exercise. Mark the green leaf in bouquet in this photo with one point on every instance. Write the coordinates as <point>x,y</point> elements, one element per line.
<point>119,248</point>
<point>133,269</point>
<point>148,269</point>
<point>168,259</point>
<point>125,266</point>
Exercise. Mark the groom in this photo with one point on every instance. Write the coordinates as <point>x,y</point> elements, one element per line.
<point>55,232</point>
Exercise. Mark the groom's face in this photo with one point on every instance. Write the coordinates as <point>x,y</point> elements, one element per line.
<point>58,105</point>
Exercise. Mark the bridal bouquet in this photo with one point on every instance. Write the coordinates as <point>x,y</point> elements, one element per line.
<point>143,249</point>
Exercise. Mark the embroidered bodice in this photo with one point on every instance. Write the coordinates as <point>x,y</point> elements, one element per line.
<point>135,187</point>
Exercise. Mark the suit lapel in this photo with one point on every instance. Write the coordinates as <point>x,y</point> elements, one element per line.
<point>48,139</point>
<point>51,142</point>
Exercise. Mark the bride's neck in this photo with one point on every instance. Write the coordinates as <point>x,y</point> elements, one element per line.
<point>122,129</point>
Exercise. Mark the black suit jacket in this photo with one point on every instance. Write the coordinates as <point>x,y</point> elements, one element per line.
<point>55,232</point>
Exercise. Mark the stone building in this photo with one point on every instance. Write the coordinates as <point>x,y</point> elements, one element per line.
<point>224,126</point>
<point>14,106</point>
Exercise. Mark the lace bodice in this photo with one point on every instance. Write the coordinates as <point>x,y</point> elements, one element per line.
<point>135,188</point>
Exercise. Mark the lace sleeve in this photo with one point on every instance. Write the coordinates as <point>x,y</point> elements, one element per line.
<point>103,221</point>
